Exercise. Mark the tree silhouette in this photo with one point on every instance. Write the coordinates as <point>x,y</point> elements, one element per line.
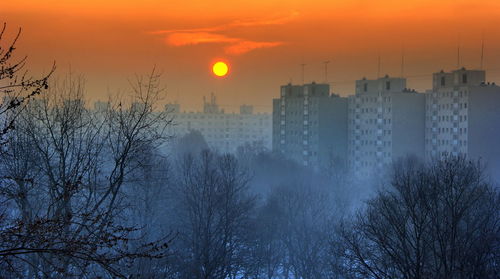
<point>16,86</point>
<point>440,221</point>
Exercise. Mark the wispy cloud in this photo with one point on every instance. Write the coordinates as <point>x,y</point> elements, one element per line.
<point>195,38</point>
<point>235,46</point>
<point>194,30</point>
<point>276,20</point>
<point>242,47</point>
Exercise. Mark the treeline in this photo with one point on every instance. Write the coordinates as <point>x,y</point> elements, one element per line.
<point>97,194</point>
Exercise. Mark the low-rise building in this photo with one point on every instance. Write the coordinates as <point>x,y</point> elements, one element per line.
<point>223,132</point>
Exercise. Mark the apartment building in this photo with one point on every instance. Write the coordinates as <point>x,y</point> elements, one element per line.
<point>310,125</point>
<point>386,122</point>
<point>463,117</point>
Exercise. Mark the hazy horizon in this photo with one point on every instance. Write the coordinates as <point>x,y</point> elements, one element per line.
<point>378,181</point>
<point>264,42</point>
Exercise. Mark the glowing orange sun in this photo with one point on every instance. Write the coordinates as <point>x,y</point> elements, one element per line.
<point>220,69</point>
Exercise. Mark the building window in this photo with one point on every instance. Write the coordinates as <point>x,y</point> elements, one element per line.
<point>464,78</point>
<point>443,81</point>
<point>388,85</point>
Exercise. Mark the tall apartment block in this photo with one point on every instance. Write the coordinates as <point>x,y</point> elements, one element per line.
<point>463,117</point>
<point>386,122</point>
<point>310,125</point>
<point>224,132</point>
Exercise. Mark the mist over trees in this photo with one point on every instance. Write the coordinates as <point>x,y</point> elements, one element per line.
<point>438,221</point>
<point>105,193</point>
<point>64,169</point>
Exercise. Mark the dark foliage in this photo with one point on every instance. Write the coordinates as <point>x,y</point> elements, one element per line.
<point>440,221</point>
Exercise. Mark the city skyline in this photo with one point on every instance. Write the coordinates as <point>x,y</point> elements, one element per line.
<point>384,123</point>
<point>262,139</point>
<point>264,42</point>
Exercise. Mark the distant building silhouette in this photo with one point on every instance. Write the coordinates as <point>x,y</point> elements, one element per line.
<point>223,132</point>
<point>246,109</point>
<point>173,108</point>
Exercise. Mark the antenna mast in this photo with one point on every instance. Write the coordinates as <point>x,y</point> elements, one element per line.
<point>378,66</point>
<point>303,70</point>
<point>326,70</point>
<point>458,52</point>
<point>482,51</point>
<point>402,61</point>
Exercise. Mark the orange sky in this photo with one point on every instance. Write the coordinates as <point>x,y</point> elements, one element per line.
<point>264,41</point>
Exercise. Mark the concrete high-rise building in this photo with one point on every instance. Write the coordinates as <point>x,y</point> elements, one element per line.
<point>224,132</point>
<point>463,117</point>
<point>310,125</point>
<point>386,122</point>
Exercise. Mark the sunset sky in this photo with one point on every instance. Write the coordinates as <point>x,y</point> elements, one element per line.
<point>264,42</point>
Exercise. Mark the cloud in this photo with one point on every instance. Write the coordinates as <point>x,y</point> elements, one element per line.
<point>235,46</point>
<point>193,30</point>
<point>195,38</point>
<point>276,20</point>
<point>247,46</point>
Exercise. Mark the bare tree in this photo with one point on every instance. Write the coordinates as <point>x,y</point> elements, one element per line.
<point>16,86</point>
<point>307,212</point>
<point>148,202</point>
<point>78,165</point>
<point>213,211</point>
<point>440,221</point>
<point>264,246</point>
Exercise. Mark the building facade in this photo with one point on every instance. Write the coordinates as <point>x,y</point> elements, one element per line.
<point>223,132</point>
<point>463,117</point>
<point>310,125</point>
<point>386,122</point>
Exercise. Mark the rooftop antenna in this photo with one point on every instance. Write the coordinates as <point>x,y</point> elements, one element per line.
<point>403,61</point>
<point>326,70</point>
<point>378,66</point>
<point>458,52</point>
<point>303,69</point>
<point>482,51</point>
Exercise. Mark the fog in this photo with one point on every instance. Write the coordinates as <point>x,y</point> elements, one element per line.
<point>105,192</point>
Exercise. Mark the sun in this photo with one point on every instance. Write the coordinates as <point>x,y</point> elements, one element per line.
<point>220,68</point>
